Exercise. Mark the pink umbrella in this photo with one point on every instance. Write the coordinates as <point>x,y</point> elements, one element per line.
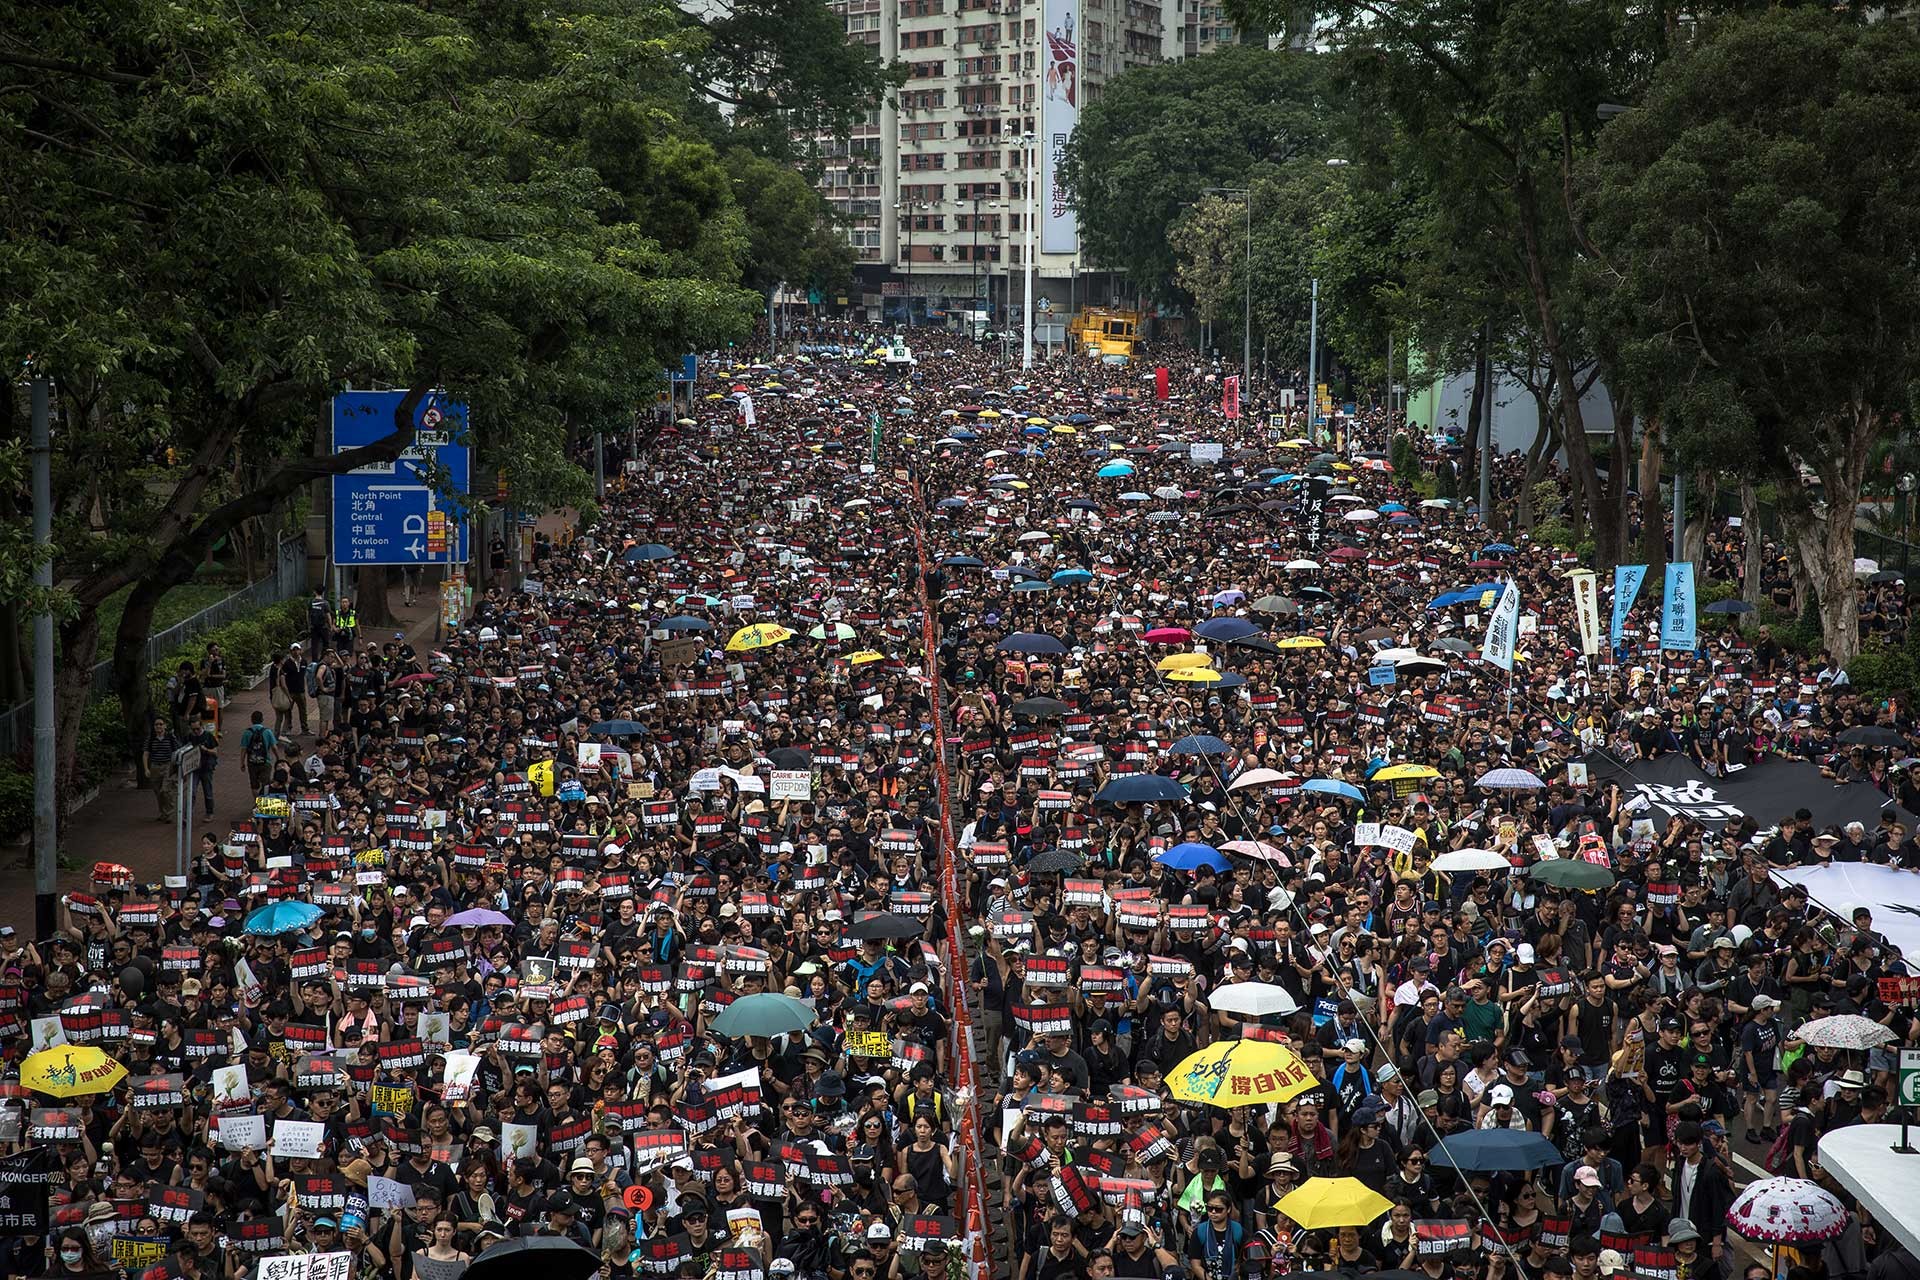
<point>1258,849</point>
<point>1167,635</point>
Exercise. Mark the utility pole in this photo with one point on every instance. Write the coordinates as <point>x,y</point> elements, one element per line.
<point>1028,155</point>
<point>1487,454</point>
<point>1313,365</point>
<point>46,871</point>
<point>1678,555</point>
<point>599,465</point>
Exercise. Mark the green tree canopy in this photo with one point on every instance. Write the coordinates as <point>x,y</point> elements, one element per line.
<point>217,216</point>
<point>1158,136</point>
<point>1756,229</point>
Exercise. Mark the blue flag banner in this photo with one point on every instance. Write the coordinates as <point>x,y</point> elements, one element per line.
<point>1626,586</point>
<point>1676,610</point>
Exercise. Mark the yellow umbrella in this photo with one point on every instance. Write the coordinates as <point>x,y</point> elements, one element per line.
<point>71,1071</point>
<point>1066,431</point>
<point>1319,1203</point>
<point>865,656</point>
<point>988,413</point>
<point>1195,675</point>
<point>1300,642</point>
<point>540,775</point>
<point>758,635</point>
<point>1341,466</point>
<point>1018,484</point>
<point>1036,422</point>
<point>1240,1073</point>
<point>1182,661</point>
<point>716,396</point>
<point>1405,773</point>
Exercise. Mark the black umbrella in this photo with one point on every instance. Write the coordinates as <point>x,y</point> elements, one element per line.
<point>1872,735</point>
<point>884,924</point>
<point>1056,861</point>
<point>790,758</point>
<point>550,1257</point>
<point>1258,644</point>
<point>1887,575</point>
<point>1041,708</point>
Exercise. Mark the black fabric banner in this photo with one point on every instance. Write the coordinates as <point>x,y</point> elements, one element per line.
<point>1313,512</point>
<point>25,1181</point>
<point>1673,786</point>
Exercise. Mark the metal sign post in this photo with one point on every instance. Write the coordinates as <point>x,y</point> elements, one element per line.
<point>185,761</point>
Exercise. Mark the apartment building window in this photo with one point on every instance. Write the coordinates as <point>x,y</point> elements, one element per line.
<point>918,162</point>
<point>928,70</point>
<point>921,8</point>
<point>929,39</point>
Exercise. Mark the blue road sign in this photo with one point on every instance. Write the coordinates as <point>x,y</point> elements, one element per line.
<point>385,513</point>
<point>689,371</point>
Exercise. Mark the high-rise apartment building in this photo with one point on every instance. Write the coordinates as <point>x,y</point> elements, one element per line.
<point>933,187</point>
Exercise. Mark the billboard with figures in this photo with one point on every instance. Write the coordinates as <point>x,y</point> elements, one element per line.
<point>1059,111</point>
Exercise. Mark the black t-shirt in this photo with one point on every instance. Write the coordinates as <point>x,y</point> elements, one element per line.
<point>1666,1068</point>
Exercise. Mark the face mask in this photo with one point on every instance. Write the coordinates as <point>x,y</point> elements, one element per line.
<point>70,1255</point>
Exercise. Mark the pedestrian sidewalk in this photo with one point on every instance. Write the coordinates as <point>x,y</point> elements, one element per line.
<point>123,824</point>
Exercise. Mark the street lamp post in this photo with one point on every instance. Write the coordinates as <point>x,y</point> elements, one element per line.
<point>909,207</point>
<point>1027,158</point>
<point>1246,325</point>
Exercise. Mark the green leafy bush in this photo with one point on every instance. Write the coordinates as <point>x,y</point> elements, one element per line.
<point>16,800</point>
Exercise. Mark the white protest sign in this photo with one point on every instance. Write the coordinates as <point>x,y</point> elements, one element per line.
<point>1366,834</point>
<point>307,1266</point>
<point>388,1193</point>
<point>48,1033</point>
<point>300,1139</point>
<point>458,1078</point>
<point>241,1132</point>
<point>791,784</point>
<point>589,755</point>
<point>230,1087</point>
<point>434,1028</point>
<point>1398,839</point>
<point>1207,451</point>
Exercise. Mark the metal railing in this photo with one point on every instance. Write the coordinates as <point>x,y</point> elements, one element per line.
<point>287,580</point>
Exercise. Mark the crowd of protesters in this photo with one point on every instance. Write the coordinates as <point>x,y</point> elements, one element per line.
<point>587,757</point>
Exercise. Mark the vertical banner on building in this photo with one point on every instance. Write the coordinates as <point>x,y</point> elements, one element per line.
<point>1230,395</point>
<point>1503,628</point>
<point>1059,112</point>
<point>1676,609</point>
<point>1586,607</point>
<point>1162,383</point>
<point>1626,586</point>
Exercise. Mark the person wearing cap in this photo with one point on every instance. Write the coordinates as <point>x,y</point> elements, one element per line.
<point>1136,1248</point>
<point>1760,1079</point>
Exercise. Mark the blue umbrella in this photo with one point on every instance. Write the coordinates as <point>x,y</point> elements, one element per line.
<point>1031,642</point>
<point>1136,497</point>
<point>1226,629</point>
<point>1192,855</point>
<point>964,562</point>
<point>1334,787</point>
<point>1228,680</point>
<point>1072,577</point>
<point>1496,1151</point>
<point>1498,549</point>
<point>285,916</point>
<point>1023,571</point>
<point>1079,419</point>
<point>1114,470</point>
<point>1033,584</point>
<point>648,551</point>
<point>686,622</point>
<point>1388,508</point>
<point>1199,744</point>
<point>951,503</point>
<point>618,728</point>
<point>1140,788</point>
<point>964,434</point>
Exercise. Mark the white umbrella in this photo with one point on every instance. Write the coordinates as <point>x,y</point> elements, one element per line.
<point>1509,780</point>
<point>1253,1000</point>
<point>1394,655</point>
<point>1300,566</point>
<point>1169,491</point>
<point>1787,1211</point>
<point>1258,778</point>
<point>1845,1031</point>
<point>1362,513</point>
<point>1472,860</point>
<point>1036,535</point>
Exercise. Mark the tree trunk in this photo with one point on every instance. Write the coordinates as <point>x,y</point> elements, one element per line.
<point>1653,527</point>
<point>72,689</point>
<point>1754,543</point>
<point>372,584</point>
<point>1470,447</point>
<point>1824,546</point>
<point>15,657</point>
<point>1703,494</point>
<point>1537,454</point>
<point>130,665</point>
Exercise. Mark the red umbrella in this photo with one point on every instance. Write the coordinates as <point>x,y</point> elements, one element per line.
<point>1167,635</point>
<point>416,678</point>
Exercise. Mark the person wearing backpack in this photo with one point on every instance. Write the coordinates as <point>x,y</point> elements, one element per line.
<point>258,745</point>
<point>324,682</point>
